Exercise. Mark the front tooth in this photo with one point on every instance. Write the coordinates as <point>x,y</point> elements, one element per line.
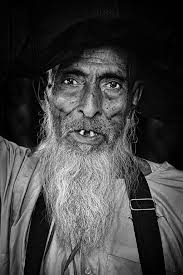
<point>92,134</point>
<point>82,132</point>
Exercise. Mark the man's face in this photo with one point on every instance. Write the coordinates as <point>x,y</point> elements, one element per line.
<point>90,98</point>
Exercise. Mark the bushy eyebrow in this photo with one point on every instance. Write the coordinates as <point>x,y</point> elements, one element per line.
<point>76,72</point>
<point>80,73</point>
<point>112,75</point>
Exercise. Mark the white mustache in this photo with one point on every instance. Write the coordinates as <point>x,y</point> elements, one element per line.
<point>103,128</point>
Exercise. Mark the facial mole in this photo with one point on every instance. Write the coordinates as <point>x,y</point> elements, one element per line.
<point>49,85</point>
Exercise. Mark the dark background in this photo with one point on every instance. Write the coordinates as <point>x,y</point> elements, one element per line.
<point>160,113</point>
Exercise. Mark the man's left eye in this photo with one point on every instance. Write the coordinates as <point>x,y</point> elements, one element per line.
<point>113,85</point>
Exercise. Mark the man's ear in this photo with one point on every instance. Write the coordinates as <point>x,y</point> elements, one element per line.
<point>43,87</point>
<point>137,90</point>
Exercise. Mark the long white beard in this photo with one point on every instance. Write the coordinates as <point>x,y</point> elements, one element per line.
<point>80,189</point>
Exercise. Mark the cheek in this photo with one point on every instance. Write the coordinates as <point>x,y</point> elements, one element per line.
<point>115,108</point>
<point>65,104</point>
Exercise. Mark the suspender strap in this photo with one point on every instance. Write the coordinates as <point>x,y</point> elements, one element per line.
<point>146,229</point>
<point>39,230</point>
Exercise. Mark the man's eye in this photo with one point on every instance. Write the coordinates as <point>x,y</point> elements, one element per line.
<point>113,85</point>
<point>70,81</point>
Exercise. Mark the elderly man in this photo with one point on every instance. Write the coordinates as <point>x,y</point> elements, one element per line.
<point>85,168</point>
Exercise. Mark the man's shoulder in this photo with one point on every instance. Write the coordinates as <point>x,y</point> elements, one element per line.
<point>15,161</point>
<point>11,148</point>
<point>11,156</point>
<point>166,174</point>
<point>166,185</point>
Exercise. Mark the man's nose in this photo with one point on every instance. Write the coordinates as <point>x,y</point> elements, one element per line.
<point>90,104</point>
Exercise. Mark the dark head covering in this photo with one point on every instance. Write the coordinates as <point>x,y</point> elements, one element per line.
<point>49,31</point>
<point>54,27</point>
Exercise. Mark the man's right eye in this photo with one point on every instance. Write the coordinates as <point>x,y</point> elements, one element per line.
<point>70,81</point>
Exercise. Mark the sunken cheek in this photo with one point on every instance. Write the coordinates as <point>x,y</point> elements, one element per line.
<point>66,102</point>
<point>114,106</point>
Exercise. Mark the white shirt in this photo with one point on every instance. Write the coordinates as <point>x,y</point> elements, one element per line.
<point>19,189</point>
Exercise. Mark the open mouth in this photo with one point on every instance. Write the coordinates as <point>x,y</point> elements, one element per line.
<point>86,136</point>
<point>86,133</point>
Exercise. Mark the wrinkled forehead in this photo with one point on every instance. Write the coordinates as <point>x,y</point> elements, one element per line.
<point>102,58</point>
<point>105,55</point>
<point>105,58</point>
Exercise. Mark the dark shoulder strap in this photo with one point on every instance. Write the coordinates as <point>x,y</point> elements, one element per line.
<point>146,229</point>
<point>38,234</point>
